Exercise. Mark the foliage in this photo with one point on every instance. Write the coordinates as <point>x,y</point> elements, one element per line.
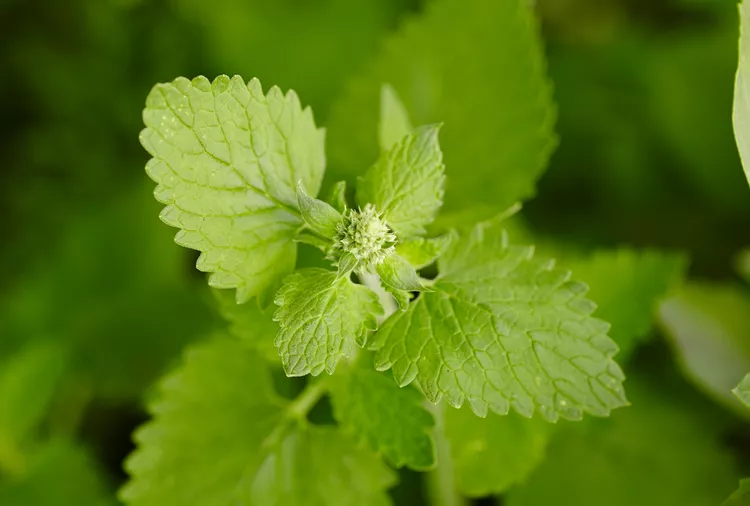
<point>377,307</point>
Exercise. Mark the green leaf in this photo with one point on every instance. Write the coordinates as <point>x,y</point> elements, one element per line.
<point>741,496</point>
<point>248,322</point>
<point>221,435</point>
<point>477,66</point>
<point>320,216</point>
<point>628,286</point>
<point>707,327</point>
<point>406,184</point>
<point>397,274</point>
<point>320,467</point>
<point>421,252</point>
<point>314,241</point>
<point>322,316</point>
<point>346,264</point>
<point>227,159</point>
<point>664,449</point>
<point>390,419</point>
<point>504,329</point>
<point>394,122</point>
<point>337,196</point>
<point>742,391</point>
<point>28,381</point>
<point>59,473</point>
<point>741,114</point>
<point>494,453</point>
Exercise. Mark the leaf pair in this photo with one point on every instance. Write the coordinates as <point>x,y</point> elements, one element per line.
<point>323,314</point>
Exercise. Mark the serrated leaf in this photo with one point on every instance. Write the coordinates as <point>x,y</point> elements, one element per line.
<point>742,390</point>
<point>58,473</point>
<point>453,64</point>
<point>220,435</point>
<point>394,122</point>
<point>398,274</point>
<point>319,215</point>
<point>707,327</point>
<point>227,159</point>
<point>390,419</point>
<point>28,380</point>
<point>664,449</point>
<point>406,184</point>
<point>491,454</point>
<point>248,322</point>
<point>628,286</point>
<point>322,317</point>
<point>741,114</point>
<point>502,330</point>
<point>421,252</point>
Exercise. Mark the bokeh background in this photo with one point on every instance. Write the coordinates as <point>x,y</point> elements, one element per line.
<point>94,293</point>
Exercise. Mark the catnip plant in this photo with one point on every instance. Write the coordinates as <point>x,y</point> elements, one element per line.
<point>400,324</point>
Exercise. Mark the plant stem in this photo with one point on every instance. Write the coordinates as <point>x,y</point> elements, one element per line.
<point>372,281</point>
<point>305,401</point>
<point>296,412</point>
<point>441,484</point>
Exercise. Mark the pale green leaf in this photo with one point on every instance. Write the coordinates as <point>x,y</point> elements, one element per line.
<point>319,215</point>
<point>628,286</point>
<point>398,274</point>
<point>503,329</point>
<point>322,317</point>
<point>477,66</point>
<point>58,473</point>
<point>406,184</point>
<point>491,454</point>
<point>390,419</point>
<point>314,241</point>
<point>741,496</point>
<point>394,122</point>
<point>28,381</point>
<point>708,327</point>
<point>337,196</point>
<point>220,436</point>
<point>742,391</point>
<point>319,466</point>
<point>741,115</point>
<point>421,252</point>
<point>346,264</point>
<point>664,449</point>
<point>227,159</point>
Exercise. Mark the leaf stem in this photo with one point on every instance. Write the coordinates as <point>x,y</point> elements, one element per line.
<point>372,281</point>
<point>305,401</point>
<point>296,411</point>
<point>441,483</point>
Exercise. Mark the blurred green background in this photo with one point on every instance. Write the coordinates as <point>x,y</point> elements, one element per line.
<point>95,295</point>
